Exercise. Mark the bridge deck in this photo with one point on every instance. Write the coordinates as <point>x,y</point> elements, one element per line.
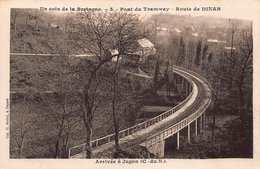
<point>140,136</point>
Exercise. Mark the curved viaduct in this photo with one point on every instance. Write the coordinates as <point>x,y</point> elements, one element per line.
<point>188,117</point>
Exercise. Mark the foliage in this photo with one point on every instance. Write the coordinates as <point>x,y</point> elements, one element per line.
<point>210,57</point>
<point>204,52</point>
<point>156,75</point>
<point>139,153</point>
<point>198,54</point>
<point>181,55</point>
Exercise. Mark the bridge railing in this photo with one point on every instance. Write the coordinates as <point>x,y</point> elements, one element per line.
<point>126,132</point>
<point>177,127</point>
<point>196,74</point>
<point>183,123</point>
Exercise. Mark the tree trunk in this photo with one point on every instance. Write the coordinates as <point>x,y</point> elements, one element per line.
<point>36,25</point>
<point>241,82</point>
<point>231,66</point>
<point>14,27</point>
<point>214,123</point>
<point>26,23</point>
<point>20,146</point>
<point>116,125</point>
<point>116,130</point>
<point>88,140</point>
<point>23,132</point>
<point>57,144</point>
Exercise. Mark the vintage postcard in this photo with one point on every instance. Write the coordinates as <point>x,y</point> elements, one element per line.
<point>112,84</point>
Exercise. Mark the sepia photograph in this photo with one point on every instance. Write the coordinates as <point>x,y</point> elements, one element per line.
<point>130,84</point>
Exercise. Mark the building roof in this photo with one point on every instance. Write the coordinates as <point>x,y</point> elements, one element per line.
<point>145,43</point>
<point>195,34</point>
<point>162,29</point>
<point>177,30</point>
<point>114,52</point>
<point>212,40</point>
<point>222,41</point>
<point>229,48</point>
<point>216,41</point>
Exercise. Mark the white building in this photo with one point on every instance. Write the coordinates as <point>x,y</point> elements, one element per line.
<point>144,49</point>
<point>161,31</point>
<point>229,48</point>
<point>114,52</point>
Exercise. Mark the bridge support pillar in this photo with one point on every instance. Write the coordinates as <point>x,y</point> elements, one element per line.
<point>204,121</point>
<point>190,88</point>
<point>157,149</point>
<point>187,89</point>
<point>201,124</point>
<point>189,134</point>
<point>196,127</point>
<point>182,84</point>
<point>178,141</point>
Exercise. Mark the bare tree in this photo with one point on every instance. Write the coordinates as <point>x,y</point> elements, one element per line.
<point>215,79</point>
<point>181,54</point>
<point>35,14</point>
<point>48,20</point>
<point>97,34</point>
<point>191,47</point>
<point>60,110</point>
<point>15,13</point>
<point>22,128</point>
<point>246,47</point>
<point>25,15</point>
<point>233,27</point>
<point>123,37</point>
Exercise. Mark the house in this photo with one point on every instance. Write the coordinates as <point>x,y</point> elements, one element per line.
<point>140,50</point>
<point>177,30</point>
<point>144,48</point>
<point>229,48</point>
<point>114,52</point>
<point>195,34</point>
<point>216,42</point>
<point>161,31</point>
<point>222,42</point>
